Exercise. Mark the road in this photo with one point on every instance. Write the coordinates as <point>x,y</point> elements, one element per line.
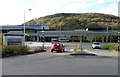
<point>101,52</point>
<point>48,63</point>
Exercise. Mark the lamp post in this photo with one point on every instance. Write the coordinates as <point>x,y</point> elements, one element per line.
<point>24,23</point>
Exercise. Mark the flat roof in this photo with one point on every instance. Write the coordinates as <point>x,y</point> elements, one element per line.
<point>8,27</point>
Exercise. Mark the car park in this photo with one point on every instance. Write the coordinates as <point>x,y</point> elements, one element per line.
<point>96,45</point>
<point>57,47</point>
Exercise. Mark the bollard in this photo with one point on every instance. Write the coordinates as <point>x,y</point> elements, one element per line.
<point>75,50</point>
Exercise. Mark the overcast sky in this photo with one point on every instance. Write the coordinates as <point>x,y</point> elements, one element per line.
<point>12,11</point>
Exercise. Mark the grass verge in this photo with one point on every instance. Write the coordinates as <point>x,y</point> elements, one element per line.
<point>110,47</point>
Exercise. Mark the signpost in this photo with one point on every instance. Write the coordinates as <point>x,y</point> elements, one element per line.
<point>13,40</point>
<point>81,40</point>
<point>43,35</point>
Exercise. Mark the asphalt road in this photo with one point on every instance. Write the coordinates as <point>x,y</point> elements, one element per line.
<point>101,52</point>
<point>48,63</point>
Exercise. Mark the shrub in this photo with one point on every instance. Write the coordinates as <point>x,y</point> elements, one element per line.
<point>1,44</point>
<point>8,51</point>
<point>1,39</point>
<point>0,51</point>
<point>22,50</point>
<point>40,49</point>
<point>14,50</point>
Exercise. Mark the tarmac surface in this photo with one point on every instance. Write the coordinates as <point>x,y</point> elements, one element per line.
<point>48,63</point>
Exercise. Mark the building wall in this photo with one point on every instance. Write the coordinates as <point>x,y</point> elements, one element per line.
<point>36,33</point>
<point>75,36</point>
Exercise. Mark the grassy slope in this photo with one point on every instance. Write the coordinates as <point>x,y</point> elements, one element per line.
<point>77,21</point>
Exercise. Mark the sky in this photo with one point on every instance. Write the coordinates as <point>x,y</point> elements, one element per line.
<point>12,11</point>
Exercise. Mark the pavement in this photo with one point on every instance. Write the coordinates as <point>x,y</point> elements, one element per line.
<point>100,52</point>
<point>104,53</point>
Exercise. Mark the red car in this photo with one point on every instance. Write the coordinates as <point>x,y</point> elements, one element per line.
<point>57,47</point>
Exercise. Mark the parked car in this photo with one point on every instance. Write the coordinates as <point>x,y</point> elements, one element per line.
<point>57,47</point>
<point>96,45</point>
<point>63,40</point>
<point>54,41</point>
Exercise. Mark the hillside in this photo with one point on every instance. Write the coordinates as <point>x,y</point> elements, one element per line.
<point>68,21</point>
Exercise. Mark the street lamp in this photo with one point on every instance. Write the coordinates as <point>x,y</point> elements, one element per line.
<point>24,24</point>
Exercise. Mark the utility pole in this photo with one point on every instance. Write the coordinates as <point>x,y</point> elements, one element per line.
<point>81,40</point>
<point>107,34</point>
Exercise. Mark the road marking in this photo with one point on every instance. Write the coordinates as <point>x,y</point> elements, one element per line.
<point>90,52</point>
<point>62,54</point>
<point>71,49</point>
<point>85,50</point>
